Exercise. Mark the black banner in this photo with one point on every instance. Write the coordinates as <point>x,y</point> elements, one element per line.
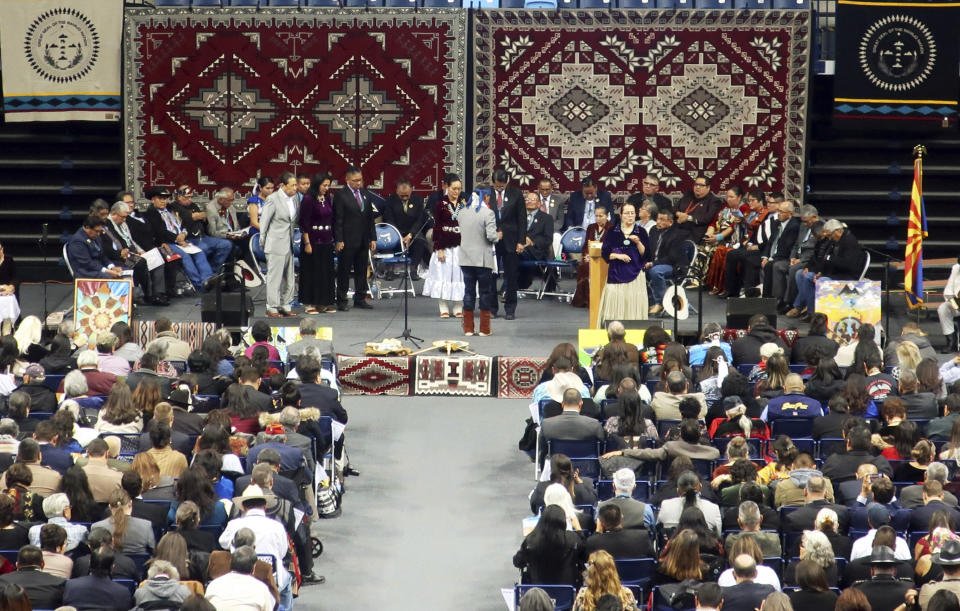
<point>897,61</point>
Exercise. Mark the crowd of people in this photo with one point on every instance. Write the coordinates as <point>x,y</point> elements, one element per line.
<point>748,477</point>
<point>166,475</point>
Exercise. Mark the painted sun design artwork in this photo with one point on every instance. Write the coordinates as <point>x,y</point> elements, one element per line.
<point>99,304</point>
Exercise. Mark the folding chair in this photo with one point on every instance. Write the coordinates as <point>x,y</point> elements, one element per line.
<point>129,442</point>
<point>53,381</point>
<point>792,427</point>
<point>128,583</point>
<point>635,571</point>
<point>571,243</point>
<point>605,490</point>
<point>390,251</point>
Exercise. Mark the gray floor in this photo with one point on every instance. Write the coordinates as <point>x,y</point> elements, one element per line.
<point>434,519</point>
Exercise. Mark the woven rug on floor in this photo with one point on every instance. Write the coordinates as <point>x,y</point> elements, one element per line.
<point>454,375</point>
<point>517,376</point>
<point>317,88</point>
<point>191,332</point>
<point>617,94</point>
<point>374,375</point>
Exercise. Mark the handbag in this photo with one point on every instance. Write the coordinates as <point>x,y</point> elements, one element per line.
<point>528,442</point>
<point>677,595</point>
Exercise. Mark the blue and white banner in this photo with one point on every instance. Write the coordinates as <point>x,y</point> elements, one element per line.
<point>61,61</point>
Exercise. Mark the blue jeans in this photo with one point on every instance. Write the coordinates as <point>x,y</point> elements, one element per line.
<point>806,291</point>
<point>196,266</point>
<point>482,276</point>
<point>217,250</point>
<point>286,597</point>
<point>657,276</point>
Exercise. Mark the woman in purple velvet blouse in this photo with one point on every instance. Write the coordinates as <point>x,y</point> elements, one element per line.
<point>317,275</point>
<point>624,248</point>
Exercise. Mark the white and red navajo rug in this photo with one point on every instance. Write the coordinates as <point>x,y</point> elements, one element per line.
<point>375,375</point>
<point>217,98</point>
<point>618,94</point>
<point>517,376</point>
<point>454,375</point>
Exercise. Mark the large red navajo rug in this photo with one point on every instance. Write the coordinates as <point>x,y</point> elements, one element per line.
<point>617,94</point>
<point>375,375</point>
<point>517,376</point>
<point>217,98</point>
<point>454,375</point>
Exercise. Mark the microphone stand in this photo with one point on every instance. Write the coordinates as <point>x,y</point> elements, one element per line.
<point>43,279</point>
<point>886,286</point>
<point>407,334</point>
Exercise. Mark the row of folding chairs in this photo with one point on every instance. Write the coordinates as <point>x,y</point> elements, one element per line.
<point>493,4</point>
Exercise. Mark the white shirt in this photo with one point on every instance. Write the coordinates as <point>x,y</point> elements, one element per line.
<point>271,539</point>
<point>589,212</point>
<point>765,575</point>
<point>864,547</point>
<point>671,509</point>
<point>236,592</point>
<point>292,206</point>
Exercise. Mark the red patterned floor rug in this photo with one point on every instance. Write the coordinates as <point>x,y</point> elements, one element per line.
<point>217,98</point>
<point>616,94</point>
<point>517,376</point>
<point>375,375</point>
<point>454,375</point>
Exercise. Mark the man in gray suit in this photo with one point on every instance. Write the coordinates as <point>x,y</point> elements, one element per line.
<point>478,234</point>
<point>309,339</point>
<point>569,424</point>
<point>277,222</point>
<point>552,203</point>
<point>636,514</point>
<point>912,496</point>
<point>221,215</point>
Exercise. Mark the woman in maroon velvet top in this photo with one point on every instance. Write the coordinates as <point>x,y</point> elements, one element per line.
<point>444,279</point>
<point>595,233</point>
<point>317,274</point>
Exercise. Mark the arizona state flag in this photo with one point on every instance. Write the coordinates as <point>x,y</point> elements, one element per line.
<point>916,231</point>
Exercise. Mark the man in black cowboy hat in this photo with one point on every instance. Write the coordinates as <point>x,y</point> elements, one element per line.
<point>884,591</point>
<point>949,560</point>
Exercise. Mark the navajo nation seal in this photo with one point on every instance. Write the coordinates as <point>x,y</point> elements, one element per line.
<point>897,52</point>
<point>62,45</point>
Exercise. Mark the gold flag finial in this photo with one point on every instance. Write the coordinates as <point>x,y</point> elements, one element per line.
<point>919,151</point>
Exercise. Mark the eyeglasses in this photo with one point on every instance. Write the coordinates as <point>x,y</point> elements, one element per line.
<point>649,184</point>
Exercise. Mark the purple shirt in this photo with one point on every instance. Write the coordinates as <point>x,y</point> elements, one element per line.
<point>272,353</point>
<point>316,219</point>
<point>621,272</point>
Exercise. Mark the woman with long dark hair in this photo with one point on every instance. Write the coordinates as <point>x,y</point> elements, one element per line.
<point>551,553</point>
<point>195,485</point>
<point>826,381</point>
<point>568,351</point>
<point>680,559</point>
<point>814,592</point>
<point>217,353</point>
<point>629,429</point>
<point>581,489</point>
<point>444,280</point>
<point>244,416</point>
<point>865,334</point>
<point>317,286</point>
<point>859,401</point>
<point>722,237</point>
<point>692,519</point>
<point>216,438</point>
<point>83,508</point>
<point>818,337</point>
<point>709,376</point>
<point>263,189</point>
<point>920,456</point>
<point>625,249</point>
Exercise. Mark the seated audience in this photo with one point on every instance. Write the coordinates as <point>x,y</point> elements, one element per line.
<point>752,491</point>
<point>920,405</point>
<point>883,590</point>
<point>562,472</point>
<point>759,332</point>
<point>12,535</point>
<point>154,487</point>
<point>103,478</point>
<point>44,590</point>
<point>912,496</point>
<point>51,456</point>
<point>941,429</point>
<point>688,445</point>
<point>814,592</point>
<point>877,516</point>
<point>840,467</point>
<point>750,521</point>
<point>748,594</point>
<point>220,562</point>
<point>688,487</point>
<point>97,591</point>
<point>155,513</point>
<point>550,554</point>
<point>83,507</point>
<point>571,424</point>
<point>949,561</point>
<point>107,361</point>
<point>58,511</point>
<point>814,496</point>
<point>123,566</point>
<point>791,490</point>
<point>618,541</point>
<point>27,504</point>
<point>44,481</point>
<point>817,338</point>
<point>99,383</point>
<point>165,413</point>
<point>636,514</point>
<point>748,546</point>
<point>188,518</point>
<point>666,404</point>
<point>933,501</point>
<point>130,535</point>
<point>239,587</point>
<point>119,413</point>
<point>42,398</point>
<point>736,423</point>
<point>793,403</point>
<point>825,382</point>
<point>53,540</point>
<point>602,581</point>
<point>195,485</point>
<point>162,586</point>
<point>680,560</point>
<point>711,335</point>
<point>169,461</point>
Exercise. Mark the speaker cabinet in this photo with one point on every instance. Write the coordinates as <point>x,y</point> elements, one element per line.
<point>739,311</point>
<point>233,315</point>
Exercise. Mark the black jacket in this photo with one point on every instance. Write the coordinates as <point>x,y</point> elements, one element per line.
<point>840,467</point>
<point>670,250</point>
<point>633,543</point>
<point>798,353</point>
<point>884,592</point>
<point>541,234</point>
<point>804,517</point>
<point>745,596</point>
<point>822,391</point>
<point>829,426</point>
<point>554,567</point>
<point>45,591</point>
<point>409,221</point>
<point>920,516</point>
<point>846,260</point>
<point>788,239</point>
<point>511,218</point>
<point>158,226</point>
<point>747,348</point>
<point>352,226</point>
<point>42,398</point>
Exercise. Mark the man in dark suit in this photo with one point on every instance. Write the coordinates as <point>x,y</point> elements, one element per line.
<point>614,539</point>
<point>698,208</point>
<point>570,424</point>
<point>45,591</point>
<point>85,252</point>
<point>142,236</point>
<point>884,591</point>
<point>650,192</point>
<point>538,243</point>
<point>932,502</point>
<point>155,513</point>
<point>123,251</point>
<point>920,405</point>
<point>846,260</point>
<point>51,456</point>
<point>406,211</point>
<point>582,205</point>
<point>166,228</point>
<point>841,467</point>
<point>742,268</point>
<point>815,499</point>
<point>785,270</point>
<point>779,247</point>
<point>353,235</point>
<point>182,420</point>
<point>667,259</point>
<point>97,590</point>
<point>912,496</point>
<point>747,595</point>
<point>148,373</point>
<point>506,201</point>
<point>250,377</point>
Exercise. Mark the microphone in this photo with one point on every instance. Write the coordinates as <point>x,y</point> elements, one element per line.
<point>45,227</point>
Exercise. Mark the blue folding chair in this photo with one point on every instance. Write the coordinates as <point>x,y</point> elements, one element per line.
<point>561,595</point>
<point>127,583</point>
<point>832,445</point>
<point>441,3</point>
<point>247,3</point>
<point>140,560</point>
<point>775,563</point>
<point>129,442</point>
<point>635,571</point>
<point>326,426</point>
<point>598,4</point>
<point>53,381</point>
<point>792,427</point>
<point>10,555</point>
<point>512,3</point>
<point>605,490</point>
<point>915,536</point>
<point>389,249</point>
<point>664,425</point>
<point>540,4</point>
